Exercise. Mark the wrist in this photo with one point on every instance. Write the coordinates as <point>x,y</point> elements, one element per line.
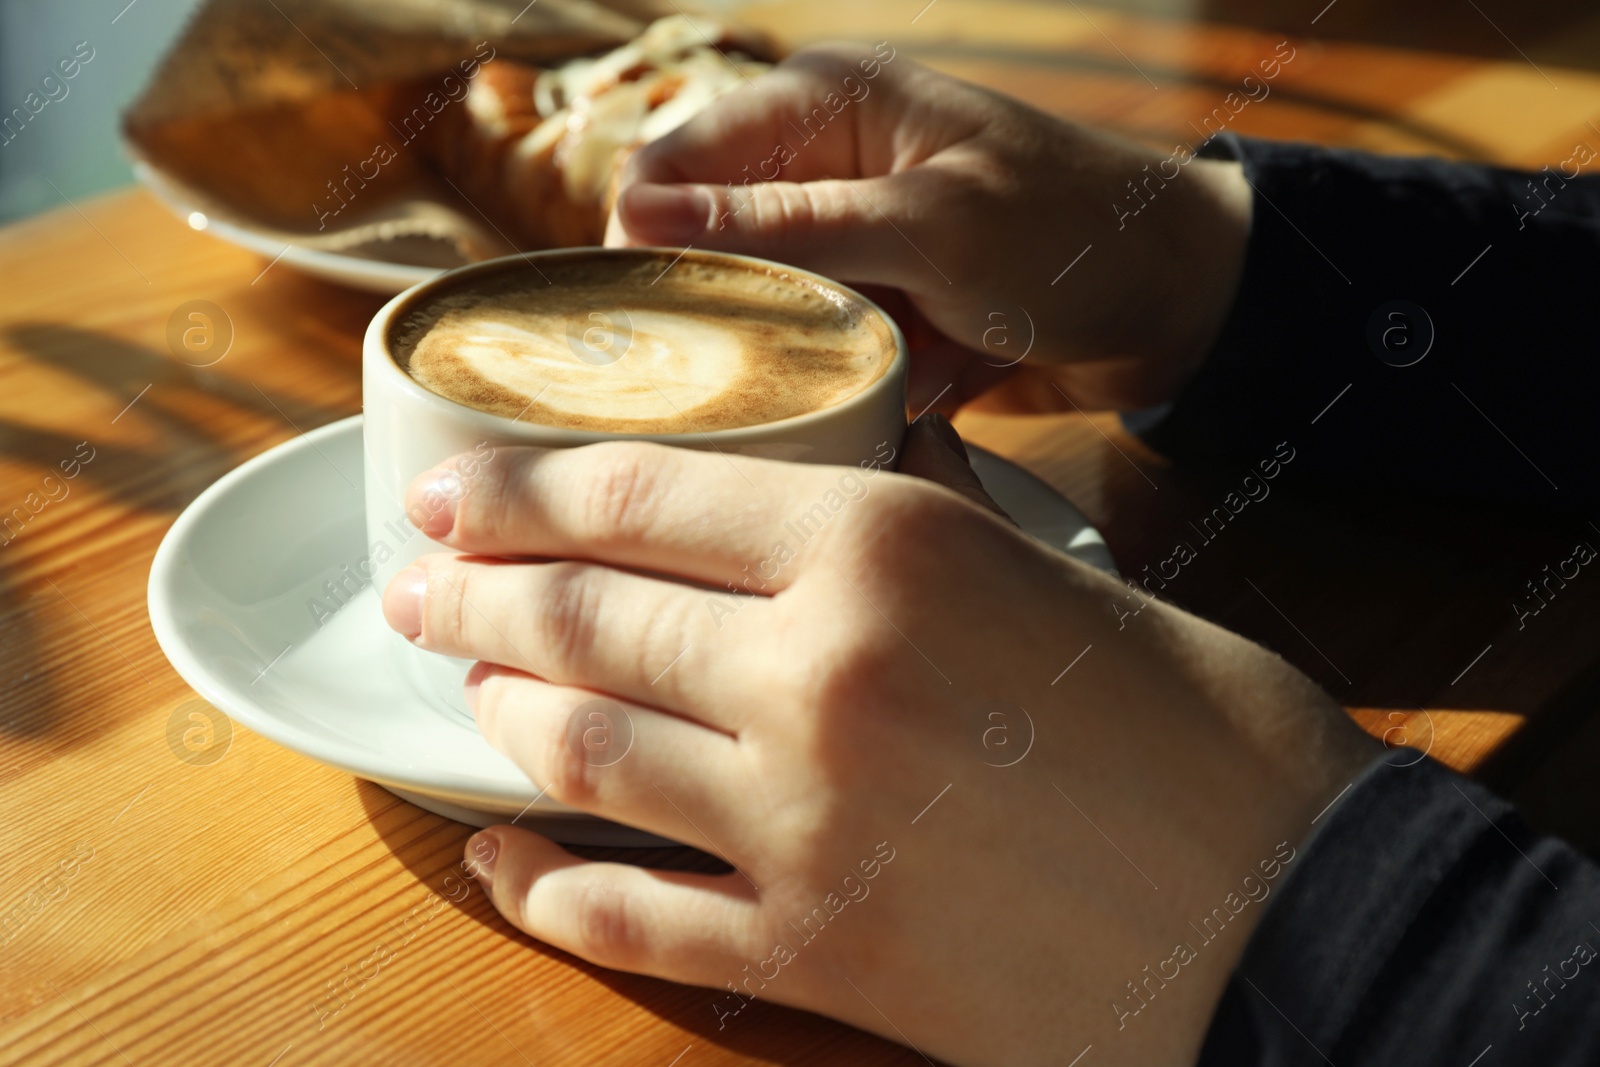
<point>1144,324</point>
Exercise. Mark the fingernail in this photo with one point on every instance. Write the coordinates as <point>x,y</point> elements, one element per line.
<point>431,502</point>
<point>402,601</point>
<point>483,850</point>
<point>947,433</point>
<point>665,214</point>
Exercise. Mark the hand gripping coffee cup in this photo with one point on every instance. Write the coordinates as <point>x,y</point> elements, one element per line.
<point>570,347</point>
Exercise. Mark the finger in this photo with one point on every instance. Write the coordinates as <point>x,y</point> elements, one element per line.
<point>706,516</point>
<point>945,376</point>
<point>772,129</point>
<point>918,331</point>
<point>670,924</point>
<point>796,167</point>
<point>572,623</point>
<point>868,230</point>
<point>934,451</point>
<point>611,758</point>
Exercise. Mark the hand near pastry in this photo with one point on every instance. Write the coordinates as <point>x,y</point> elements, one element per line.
<point>538,149</point>
<point>824,715</point>
<point>999,223</point>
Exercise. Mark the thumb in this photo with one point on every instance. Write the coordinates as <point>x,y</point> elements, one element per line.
<point>843,229</point>
<point>935,451</point>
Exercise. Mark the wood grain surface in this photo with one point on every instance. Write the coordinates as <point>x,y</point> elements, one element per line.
<point>159,908</point>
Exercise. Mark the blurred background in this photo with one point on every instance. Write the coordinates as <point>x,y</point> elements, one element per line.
<point>78,149</point>
<point>77,153</point>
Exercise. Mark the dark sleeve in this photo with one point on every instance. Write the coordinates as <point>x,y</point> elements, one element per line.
<point>1408,324</point>
<point>1422,923</point>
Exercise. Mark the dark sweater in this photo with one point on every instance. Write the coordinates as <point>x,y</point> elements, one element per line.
<point>1440,324</point>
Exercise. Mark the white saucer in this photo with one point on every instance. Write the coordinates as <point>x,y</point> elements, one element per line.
<point>230,594</point>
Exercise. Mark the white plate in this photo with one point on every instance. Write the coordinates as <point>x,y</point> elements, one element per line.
<point>230,594</point>
<point>358,272</point>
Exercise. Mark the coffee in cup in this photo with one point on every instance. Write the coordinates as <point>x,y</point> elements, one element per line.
<point>571,347</point>
<point>703,350</point>
<point>643,343</point>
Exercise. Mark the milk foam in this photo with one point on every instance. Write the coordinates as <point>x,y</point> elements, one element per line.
<point>636,343</point>
<point>648,365</point>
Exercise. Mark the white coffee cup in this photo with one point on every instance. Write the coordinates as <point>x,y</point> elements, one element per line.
<point>409,429</point>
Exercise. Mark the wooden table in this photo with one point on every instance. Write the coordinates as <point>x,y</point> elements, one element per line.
<point>158,910</point>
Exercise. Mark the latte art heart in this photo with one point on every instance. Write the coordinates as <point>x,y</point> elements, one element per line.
<point>628,344</point>
<point>644,366</point>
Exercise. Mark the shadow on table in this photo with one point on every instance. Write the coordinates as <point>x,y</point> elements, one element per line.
<point>125,369</point>
<point>151,389</point>
<point>431,848</point>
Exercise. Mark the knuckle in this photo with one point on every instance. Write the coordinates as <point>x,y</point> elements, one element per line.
<point>489,710</point>
<point>662,639</point>
<point>567,613</point>
<point>910,520</point>
<point>490,497</point>
<point>849,666</point>
<point>915,501</point>
<point>898,508</point>
<point>786,212</point>
<point>839,739</point>
<point>606,928</point>
<point>442,605</point>
<point>800,663</point>
<point>791,208</point>
<point>569,777</point>
<point>620,495</point>
<point>457,615</point>
<point>828,62</point>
